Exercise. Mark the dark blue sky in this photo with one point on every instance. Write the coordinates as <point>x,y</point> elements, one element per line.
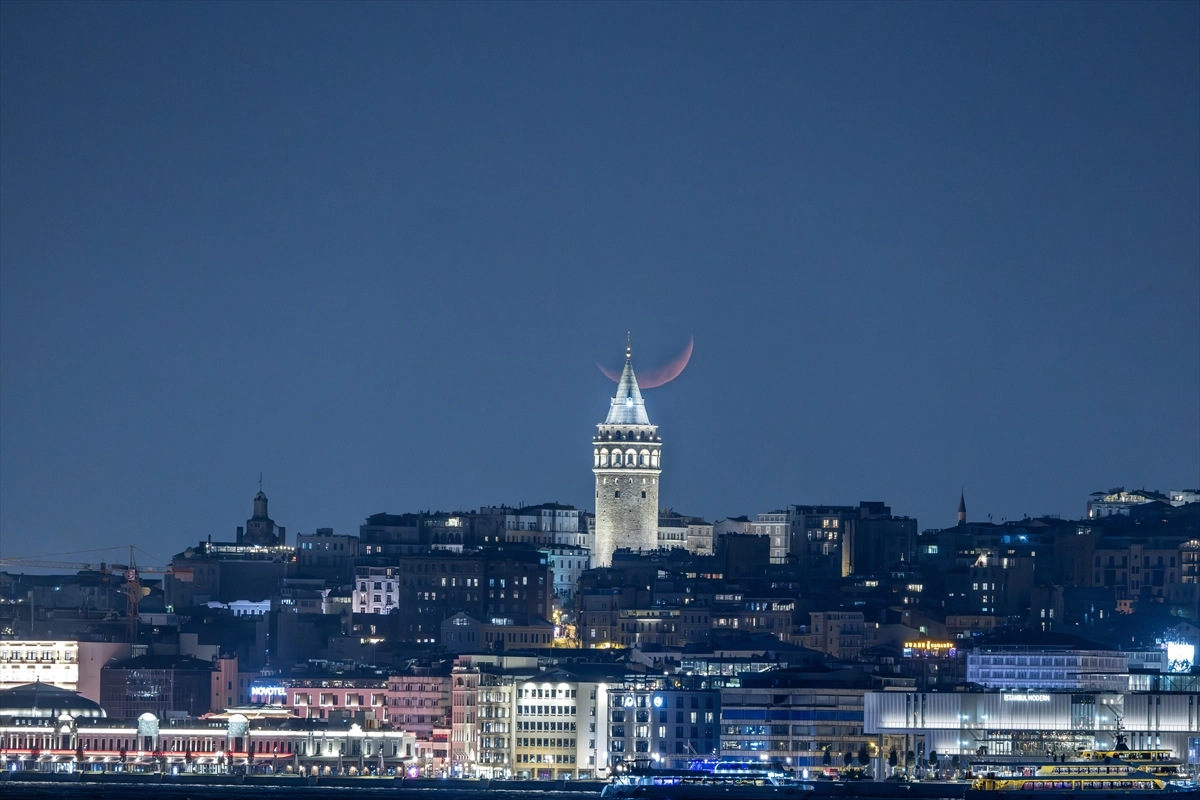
<point>374,250</point>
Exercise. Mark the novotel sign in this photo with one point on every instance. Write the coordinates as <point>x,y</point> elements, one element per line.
<point>268,691</point>
<point>1026,698</point>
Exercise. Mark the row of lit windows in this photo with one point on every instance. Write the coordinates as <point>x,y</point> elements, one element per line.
<point>36,655</point>
<point>540,742</point>
<point>631,459</point>
<point>540,758</point>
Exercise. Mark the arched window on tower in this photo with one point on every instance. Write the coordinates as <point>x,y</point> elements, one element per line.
<point>631,458</point>
<point>596,458</point>
<point>604,457</point>
<point>654,459</point>
<point>644,458</point>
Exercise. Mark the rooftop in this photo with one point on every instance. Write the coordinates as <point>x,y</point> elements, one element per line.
<point>46,700</point>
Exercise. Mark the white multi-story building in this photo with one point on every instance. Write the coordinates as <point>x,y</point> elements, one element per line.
<point>68,664</point>
<point>774,525</point>
<point>1043,662</point>
<point>700,538</point>
<point>672,531</point>
<point>566,565</point>
<point>376,590</point>
<point>514,720</point>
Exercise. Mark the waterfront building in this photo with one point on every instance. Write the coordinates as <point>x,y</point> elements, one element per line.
<point>43,701</point>
<point>361,697</point>
<point>801,718</point>
<point>515,719</point>
<point>71,665</point>
<point>660,720</point>
<point>627,463</point>
<point>418,700</point>
<point>68,733</point>
<point>1032,723</point>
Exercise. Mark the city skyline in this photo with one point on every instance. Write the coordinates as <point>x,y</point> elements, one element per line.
<point>375,255</point>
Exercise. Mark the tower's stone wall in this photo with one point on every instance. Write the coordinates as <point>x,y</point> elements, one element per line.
<point>626,512</point>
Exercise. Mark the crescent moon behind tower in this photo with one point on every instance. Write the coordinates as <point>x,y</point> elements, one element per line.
<point>653,378</point>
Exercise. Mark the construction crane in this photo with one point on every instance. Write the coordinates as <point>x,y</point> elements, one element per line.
<point>130,572</point>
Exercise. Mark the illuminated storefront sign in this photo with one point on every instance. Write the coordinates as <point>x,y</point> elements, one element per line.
<point>929,648</point>
<point>1026,698</point>
<point>268,691</point>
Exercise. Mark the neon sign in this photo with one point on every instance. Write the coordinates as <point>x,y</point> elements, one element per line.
<point>268,691</point>
<point>929,648</point>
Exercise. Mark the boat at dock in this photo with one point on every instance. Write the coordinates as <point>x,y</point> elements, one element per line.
<point>1103,775</point>
<point>724,780</point>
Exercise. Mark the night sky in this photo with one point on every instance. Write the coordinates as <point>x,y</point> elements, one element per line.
<point>374,252</point>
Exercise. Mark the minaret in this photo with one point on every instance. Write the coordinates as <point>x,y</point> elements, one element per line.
<point>627,462</point>
<point>962,508</point>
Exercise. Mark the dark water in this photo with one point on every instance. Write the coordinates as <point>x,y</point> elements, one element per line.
<point>167,792</point>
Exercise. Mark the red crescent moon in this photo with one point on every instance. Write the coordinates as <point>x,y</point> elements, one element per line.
<point>669,372</point>
<point>652,379</point>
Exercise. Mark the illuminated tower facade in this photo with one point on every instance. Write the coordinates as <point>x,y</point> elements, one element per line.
<point>627,462</point>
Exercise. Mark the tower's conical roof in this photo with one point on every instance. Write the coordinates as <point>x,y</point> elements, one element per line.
<point>628,408</point>
<point>962,503</point>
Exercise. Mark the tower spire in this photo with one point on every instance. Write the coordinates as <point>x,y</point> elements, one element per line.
<point>628,345</point>
<point>627,407</point>
<point>962,507</point>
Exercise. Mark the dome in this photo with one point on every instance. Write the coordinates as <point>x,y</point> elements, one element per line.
<point>46,700</point>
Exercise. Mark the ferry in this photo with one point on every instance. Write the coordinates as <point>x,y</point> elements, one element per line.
<point>1158,763</point>
<point>724,780</point>
<point>1103,779</point>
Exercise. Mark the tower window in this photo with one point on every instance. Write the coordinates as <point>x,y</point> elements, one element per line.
<point>643,494</point>
<point>617,493</point>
